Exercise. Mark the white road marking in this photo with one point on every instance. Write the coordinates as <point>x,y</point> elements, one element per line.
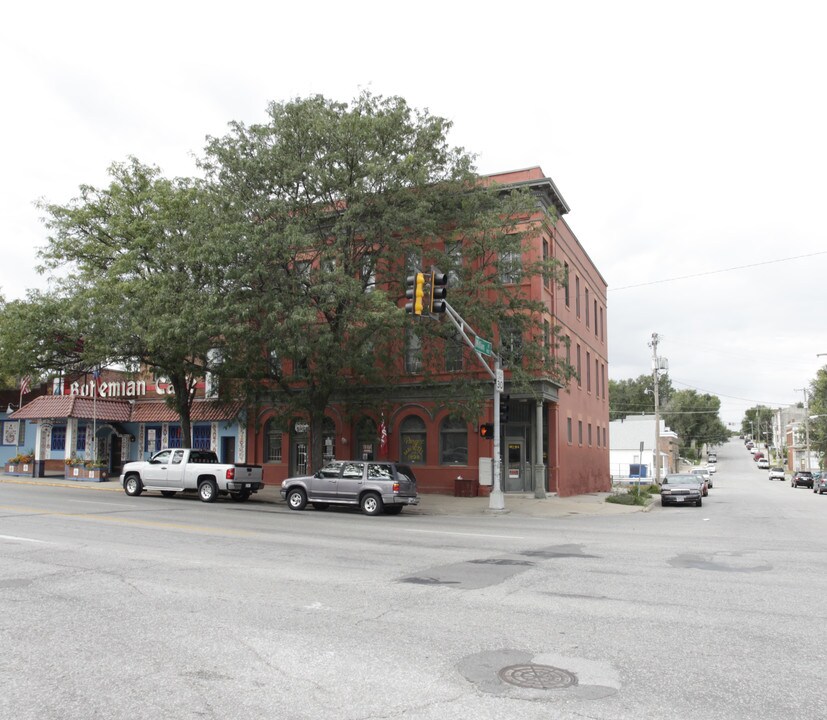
<point>22,539</point>
<point>444,532</point>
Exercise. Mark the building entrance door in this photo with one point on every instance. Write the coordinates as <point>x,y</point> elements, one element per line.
<point>115,456</point>
<point>516,478</point>
<point>228,450</point>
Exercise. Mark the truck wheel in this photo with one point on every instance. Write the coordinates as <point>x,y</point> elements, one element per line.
<point>240,496</point>
<point>168,493</point>
<point>133,486</point>
<point>296,499</point>
<point>371,504</point>
<point>207,491</point>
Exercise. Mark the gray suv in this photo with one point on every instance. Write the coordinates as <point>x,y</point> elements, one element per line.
<point>374,486</point>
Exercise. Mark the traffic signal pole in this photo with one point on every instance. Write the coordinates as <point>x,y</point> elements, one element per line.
<point>496,500</point>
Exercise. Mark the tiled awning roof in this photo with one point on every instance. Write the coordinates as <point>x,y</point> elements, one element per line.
<point>48,407</point>
<point>202,411</point>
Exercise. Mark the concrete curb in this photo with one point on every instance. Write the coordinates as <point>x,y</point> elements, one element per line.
<point>551,506</point>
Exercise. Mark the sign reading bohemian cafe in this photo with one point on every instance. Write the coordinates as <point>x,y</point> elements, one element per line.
<point>117,389</point>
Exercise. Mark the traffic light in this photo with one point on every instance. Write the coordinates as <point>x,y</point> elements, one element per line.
<point>439,291</point>
<point>505,408</point>
<point>416,292</point>
<point>487,431</point>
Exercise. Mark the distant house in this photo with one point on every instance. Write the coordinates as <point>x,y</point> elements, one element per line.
<point>632,445</point>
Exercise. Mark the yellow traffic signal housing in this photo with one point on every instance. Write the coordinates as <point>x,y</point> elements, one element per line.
<point>416,293</point>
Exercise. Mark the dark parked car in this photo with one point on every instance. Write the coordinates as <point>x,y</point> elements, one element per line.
<point>802,477</point>
<point>682,489</point>
<point>820,482</point>
<point>375,487</point>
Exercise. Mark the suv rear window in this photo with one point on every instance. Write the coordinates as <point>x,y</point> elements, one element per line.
<point>407,471</point>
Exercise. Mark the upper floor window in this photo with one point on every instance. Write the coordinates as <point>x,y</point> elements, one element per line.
<point>595,318</point>
<point>454,353</point>
<point>578,367</point>
<point>511,265</point>
<point>413,351</point>
<point>546,279</point>
<point>368,274</point>
<point>511,345</point>
<point>577,296</point>
<point>588,372</point>
<point>587,307</point>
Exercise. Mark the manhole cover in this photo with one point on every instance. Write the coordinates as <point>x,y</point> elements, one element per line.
<point>539,677</point>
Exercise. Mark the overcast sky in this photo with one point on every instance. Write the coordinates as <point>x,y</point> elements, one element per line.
<point>689,140</point>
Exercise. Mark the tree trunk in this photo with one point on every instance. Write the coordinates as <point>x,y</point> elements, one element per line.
<point>183,405</point>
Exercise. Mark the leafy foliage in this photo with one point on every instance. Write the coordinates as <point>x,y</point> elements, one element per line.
<point>758,421</point>
<point>636,396</point>
<point>694,417</point>
<point>818,406</point>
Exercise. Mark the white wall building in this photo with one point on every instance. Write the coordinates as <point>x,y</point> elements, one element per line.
<point>632,442</point>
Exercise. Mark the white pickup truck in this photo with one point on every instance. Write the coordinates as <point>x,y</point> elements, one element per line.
<point>183,470</point>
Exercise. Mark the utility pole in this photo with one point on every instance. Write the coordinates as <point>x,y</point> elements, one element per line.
<point>806,424</point>
<point>655,367</point>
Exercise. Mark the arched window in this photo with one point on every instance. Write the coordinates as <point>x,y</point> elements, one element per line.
<point>453,442</point>
<point>412,440</point>
<point>272,441</point>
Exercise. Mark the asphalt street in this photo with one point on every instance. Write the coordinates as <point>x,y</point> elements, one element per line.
<point>112,606</point>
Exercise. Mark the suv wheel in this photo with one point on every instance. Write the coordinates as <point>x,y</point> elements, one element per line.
<point>296,499</point>
<point>371,504</point>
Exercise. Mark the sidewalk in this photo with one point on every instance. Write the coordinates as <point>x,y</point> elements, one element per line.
<point>429,504</point>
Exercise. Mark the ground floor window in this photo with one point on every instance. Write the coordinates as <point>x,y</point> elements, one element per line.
<point>412,440</point>
<point>59,437</point>
<point>174,436</point>
<point>453,442</point>
<point>152,440</point>
<point>81,445</point>
<point>201,437</point>
<point>272,441</point>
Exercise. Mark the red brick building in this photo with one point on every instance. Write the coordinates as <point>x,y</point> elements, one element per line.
<point>555,436</point>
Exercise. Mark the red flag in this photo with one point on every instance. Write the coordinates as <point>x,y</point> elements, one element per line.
<point>383,439</point>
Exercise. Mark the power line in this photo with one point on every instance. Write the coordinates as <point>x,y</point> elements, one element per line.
<point>715,272</point>
<point>733,397</point>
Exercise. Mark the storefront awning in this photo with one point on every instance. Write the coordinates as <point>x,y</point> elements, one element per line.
<point>55,407</point>
<point>52,407</point>
<point>202,411</point>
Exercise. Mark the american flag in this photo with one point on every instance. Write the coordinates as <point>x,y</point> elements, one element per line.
<point>383,439</point>
<point>25,385</point>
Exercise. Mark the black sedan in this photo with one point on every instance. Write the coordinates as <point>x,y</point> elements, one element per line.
<point>802,477</point>
<point>682,489</point>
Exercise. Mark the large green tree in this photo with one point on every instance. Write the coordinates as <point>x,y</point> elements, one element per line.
<point>636,396</point>
<point>757,423</point>
<point>695,418</point>
<point>135,284</point>
<point>327,207</point>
